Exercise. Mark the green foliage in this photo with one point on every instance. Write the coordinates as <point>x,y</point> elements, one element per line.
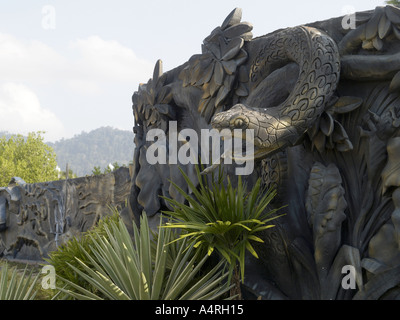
<point>28,158</point>
<point>67,254</point>
<point>63,175</point>
<point>96,171</point>
<point>393,2</point>
<point>15,286</point>
<point>122,269</point>
<point>223,218</point>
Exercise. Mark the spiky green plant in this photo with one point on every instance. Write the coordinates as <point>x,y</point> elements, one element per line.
<point>123,268</point>
<point>72,249</point>
<point>219,217</point>
<point>17,286</point>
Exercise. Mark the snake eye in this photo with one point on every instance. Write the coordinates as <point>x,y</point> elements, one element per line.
<point>238,123</point>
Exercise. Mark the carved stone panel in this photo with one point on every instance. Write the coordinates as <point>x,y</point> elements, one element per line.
<point>36,218</point>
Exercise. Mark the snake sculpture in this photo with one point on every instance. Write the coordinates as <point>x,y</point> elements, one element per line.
<point>276,127</point>
<point>285,87</point>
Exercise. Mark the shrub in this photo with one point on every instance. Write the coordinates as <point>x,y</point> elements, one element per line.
<point>68,254</point>
<point>223,218</point>
<point>15,286</point>
<point>112,265</point>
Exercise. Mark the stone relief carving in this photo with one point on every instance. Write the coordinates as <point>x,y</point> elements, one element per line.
<point>36,218</point>
<point>323,102</point>
<point>324,105</point>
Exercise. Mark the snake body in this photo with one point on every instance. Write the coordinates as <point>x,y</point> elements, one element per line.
<point>279,126</point>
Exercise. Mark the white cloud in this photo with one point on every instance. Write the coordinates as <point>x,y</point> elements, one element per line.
<point>88,68</point>
<point>87,60</point>
<point>29,60</point>
<point>21,112</point>
<point>103,60</point>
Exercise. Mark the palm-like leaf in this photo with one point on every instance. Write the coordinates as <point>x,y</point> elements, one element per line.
<point>122,268</point>
<point>222,218</point>
<point>17,287</point>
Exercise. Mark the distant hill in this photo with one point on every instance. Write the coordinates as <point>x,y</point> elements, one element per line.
<point>98,147</point>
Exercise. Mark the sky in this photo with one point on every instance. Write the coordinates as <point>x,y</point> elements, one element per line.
<point>73,66</point>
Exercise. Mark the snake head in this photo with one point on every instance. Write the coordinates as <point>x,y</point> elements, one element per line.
<point>234,118</point>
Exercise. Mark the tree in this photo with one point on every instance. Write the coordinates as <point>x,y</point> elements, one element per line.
<point>393,2</point>
<point>63,175</point>
<point>28,158</point>
<point>110,168</point>
<point>96,171</point>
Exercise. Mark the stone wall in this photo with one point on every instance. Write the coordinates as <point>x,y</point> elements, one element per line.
<point>36,218</point>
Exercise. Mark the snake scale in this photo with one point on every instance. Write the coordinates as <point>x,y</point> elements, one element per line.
<point>276,127</point>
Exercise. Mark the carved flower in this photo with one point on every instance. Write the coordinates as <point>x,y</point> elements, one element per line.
<point>328,133</point>
<point>151,105</point>
<point>215,70</point>
<point>381,24</point>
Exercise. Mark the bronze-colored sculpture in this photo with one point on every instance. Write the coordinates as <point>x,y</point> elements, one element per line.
<point>323,103</point>
<point>324,106</point>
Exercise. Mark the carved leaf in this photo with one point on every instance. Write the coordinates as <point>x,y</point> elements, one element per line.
<point>219,73</point>
<point>391,172</point>
<point>203,103</point>
<point>206,91</point>
<point>158,71</point>
<point>326,124</point>
<point>367,45</point>
<point>232,48</point>
<point>213,37</point>
<point>379,285</point>
<point>378,43</point>
<point>325,206</point>
<point>241,57</point>
<point>344,146</point>
<point>339,133</point>
<point>222,94</point>
<point>165,95</point>
<point>396,215</point>
<point>319,141</point>
<point>166,109</point>
<point>233,18</point>
<point>346,255</point>
<point>153,118</point>
<point>229,81</point>
<point>373,266</point>
<point>383,246</point>
<point>215,49</point>
<point>185,76</point>
<point>384,27</point>
<point>194,69</point>
<point>213,86</point>
<point>395,83</point>
<point>147,113</point>
<point>238,30</point>
<point>247,36</point>
<point>229,66</point>
<point>396,32</point>
<point>393,13</point>
<point>206,75</point>
<point>371,29</point>
<point>209,110</point>
<point>347,104</point>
